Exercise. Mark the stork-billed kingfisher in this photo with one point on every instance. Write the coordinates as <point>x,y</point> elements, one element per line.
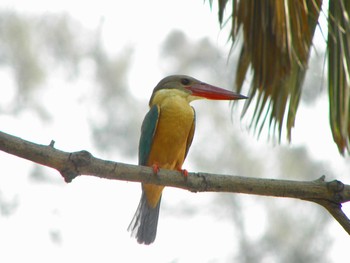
<point>166,136</point>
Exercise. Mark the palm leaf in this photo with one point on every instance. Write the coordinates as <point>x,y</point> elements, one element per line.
<point>338,72</point>
<point>277,36</point>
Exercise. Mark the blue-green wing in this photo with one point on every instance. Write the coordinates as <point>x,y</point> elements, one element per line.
<point>148,129</point>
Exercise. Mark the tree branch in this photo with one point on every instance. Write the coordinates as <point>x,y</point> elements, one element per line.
<point>328,194</point>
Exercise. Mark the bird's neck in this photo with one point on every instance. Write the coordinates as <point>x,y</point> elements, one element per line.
<point>166,96</point>
<point>173,104</point>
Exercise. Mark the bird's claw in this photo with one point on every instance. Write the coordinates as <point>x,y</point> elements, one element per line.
<point>184,173</point>
<point>155,168</point>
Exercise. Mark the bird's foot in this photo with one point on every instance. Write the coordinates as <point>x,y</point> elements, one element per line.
<point>155,168</point>
<point>184,172</point>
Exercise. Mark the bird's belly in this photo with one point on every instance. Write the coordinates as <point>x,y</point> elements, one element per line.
<point>169,145</point>
<point>170,141</point>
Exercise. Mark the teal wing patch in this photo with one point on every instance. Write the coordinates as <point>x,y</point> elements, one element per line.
<point>148,129</point>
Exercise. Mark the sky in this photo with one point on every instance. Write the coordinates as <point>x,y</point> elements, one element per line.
<point>74,217</point>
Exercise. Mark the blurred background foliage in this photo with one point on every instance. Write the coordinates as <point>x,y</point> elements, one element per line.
<point>42,54</point>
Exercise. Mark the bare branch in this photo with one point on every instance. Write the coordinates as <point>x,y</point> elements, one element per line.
<point>328,194</point>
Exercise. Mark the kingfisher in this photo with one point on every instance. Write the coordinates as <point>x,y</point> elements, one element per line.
<point>166,136</point>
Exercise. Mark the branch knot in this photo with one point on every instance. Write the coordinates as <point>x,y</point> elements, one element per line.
<point>76,160</point>
<point>81,158</point>
<point>336,187</point>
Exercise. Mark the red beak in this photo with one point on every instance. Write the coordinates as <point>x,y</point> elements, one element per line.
<point>213,93</point>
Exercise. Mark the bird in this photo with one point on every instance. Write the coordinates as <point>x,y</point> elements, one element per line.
<point>166,135</point>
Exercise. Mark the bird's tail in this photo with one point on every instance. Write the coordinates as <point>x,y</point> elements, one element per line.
<point>143,226</point>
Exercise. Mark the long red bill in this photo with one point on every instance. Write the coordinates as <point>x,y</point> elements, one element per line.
<point>214,93</point>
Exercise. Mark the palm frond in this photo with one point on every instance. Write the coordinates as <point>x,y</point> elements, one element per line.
<point>277,36</point>
<point>339,72</point>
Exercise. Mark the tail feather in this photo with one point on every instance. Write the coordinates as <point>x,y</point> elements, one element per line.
<point>144,224</point>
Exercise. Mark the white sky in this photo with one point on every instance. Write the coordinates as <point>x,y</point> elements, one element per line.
<point>77,218</point>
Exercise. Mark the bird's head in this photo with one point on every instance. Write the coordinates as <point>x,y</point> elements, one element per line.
<point>191,89</point>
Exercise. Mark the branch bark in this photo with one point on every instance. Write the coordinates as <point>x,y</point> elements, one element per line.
<point>330,195</point>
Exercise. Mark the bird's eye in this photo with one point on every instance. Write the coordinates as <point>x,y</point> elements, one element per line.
<point>185,81</point>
